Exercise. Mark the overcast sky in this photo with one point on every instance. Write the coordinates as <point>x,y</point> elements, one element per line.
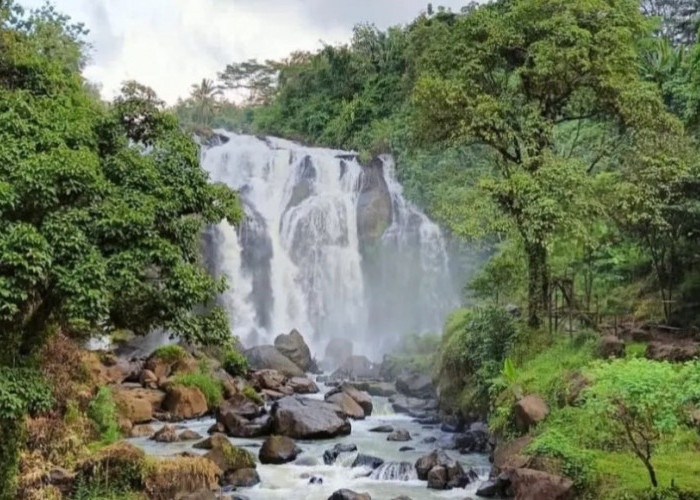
<point>170,44</point>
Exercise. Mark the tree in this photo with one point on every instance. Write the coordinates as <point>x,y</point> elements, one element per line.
<point>204,99</point>
<point>514,73</point>
<point>258,79</point>
<point>101,211</point>
<point>642,401</point>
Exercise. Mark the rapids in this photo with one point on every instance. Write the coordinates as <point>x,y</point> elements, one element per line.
<point>396,477</point>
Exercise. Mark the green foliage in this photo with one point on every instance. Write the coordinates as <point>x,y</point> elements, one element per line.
<point>576,463</point>
<point>85,491</point>
<point>252,394</point>
<point>211,387</point>
<point>22,391</point>
<point>235,363</point>
<point>102,207</point>
<point>170,353</point>
<point>474,347</point>
<point>103,412</point>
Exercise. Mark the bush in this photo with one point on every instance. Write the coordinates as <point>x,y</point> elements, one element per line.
<point>235,363</point>
<point>474,347</point>
<point>211,387</point>
<point>102,411</point>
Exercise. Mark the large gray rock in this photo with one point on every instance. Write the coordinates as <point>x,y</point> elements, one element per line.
<point>294,347</point>
<point>356,367</point>
<point>303,418</point>
<point>337,351</point>
<point>268,357</point>
<point>415,385</point>
<point>347,404</point>
<point>374,207</point>
<point>241,417</point>
<point>531,484</point>
<point>529,411</point>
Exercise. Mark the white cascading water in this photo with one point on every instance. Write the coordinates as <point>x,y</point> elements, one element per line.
<point>329,247</point>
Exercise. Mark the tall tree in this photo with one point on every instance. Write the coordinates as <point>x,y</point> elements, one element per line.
<point>514,72</point>
<point>204,96</point>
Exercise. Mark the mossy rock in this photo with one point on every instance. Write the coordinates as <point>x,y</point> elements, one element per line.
<point>170,478</point>
<point>121,464</point>
<point>230,458</point>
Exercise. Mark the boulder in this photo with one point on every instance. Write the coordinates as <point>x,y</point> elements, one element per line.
<point>337,351</point>
<point>375,388</point>
<point>268,357</point>
<point>185,402</point>
<point>294,347</point>
<point>178,477</point>
<point>148,379</point>
<point>356,367</point>
<point>278,450</point>
<point>611,346</point>
<point>241,478</point>
<point>189,435</point>
<point>493,488</point>
<point>241,417</point>
<point>142,430</point>
<point>346,494</point>
<point>529,484</point>
<point>136,404</point>
<point>382,428</point>
<point>360,397</point>
<point>437,478</point>
<point>272,380</point>
<point>510,454</point>
<point>230,458</point>
<point>167,434</point>
<point>405,404</point>
<point>331,455</point>
<point>303,418</point>
<point>302,385</point>
<point>399,435</point>
<point>415,385</point>
<point>436,458</point>
<point>529,411</point>
<point>474,440</point>
<point>214,441</point>
<point>346,404</point>
<point>369,461</point>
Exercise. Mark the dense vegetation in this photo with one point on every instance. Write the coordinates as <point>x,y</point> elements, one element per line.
<point>101,208</point>
<point>561,138</point>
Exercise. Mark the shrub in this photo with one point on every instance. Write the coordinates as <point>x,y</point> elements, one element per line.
<point>211,387</point>
<point>171,353</point>
<point>577,463</point>
<point>474,347</point>
<point>102,411</point>
<point>251,394</point>
<point>235,363</point>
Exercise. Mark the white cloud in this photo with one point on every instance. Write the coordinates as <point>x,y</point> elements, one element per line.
<point>170,44</point>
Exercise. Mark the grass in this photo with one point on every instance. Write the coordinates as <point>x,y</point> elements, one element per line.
<point>167,478</point>
<point>170,353</point>
<point>549,372</point>
<point>251,394</point>
<point>623,473</point>
<point>211,387</point>
<point>635,349</point>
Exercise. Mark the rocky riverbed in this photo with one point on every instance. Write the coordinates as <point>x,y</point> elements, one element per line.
<point>308,477</point>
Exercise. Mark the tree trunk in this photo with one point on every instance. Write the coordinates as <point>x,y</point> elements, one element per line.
<point>538,282</point>
<point>652,472</point>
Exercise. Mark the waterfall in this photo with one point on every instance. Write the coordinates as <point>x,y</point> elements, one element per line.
<point>395,471</point>
<point>328,246</point>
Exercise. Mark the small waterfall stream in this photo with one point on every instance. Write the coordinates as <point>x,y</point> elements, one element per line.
<point>329,246</point>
